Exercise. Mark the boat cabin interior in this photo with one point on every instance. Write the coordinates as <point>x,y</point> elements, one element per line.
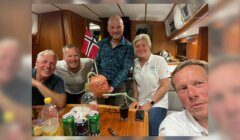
<point>178,31</point>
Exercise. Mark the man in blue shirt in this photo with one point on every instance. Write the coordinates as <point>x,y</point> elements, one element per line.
<point>115,58</point>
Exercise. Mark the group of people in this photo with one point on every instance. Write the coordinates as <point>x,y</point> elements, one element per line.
<point>64,81</point>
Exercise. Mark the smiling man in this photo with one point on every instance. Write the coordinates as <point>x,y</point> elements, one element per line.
<point>73,70</point>
<point>45,83</point>
<point>114,59</point>
<point>190,80</point>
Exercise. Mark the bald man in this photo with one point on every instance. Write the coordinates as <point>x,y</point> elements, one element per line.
<point>115,58</point>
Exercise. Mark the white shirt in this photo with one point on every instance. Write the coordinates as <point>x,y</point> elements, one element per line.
<point>74,83</point>
<point>181,124</point>
<point>148,79</point>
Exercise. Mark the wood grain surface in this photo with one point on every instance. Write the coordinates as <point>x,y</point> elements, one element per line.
<point>110,118</point>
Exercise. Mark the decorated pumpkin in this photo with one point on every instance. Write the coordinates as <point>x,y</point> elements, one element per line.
<point>98,85</point>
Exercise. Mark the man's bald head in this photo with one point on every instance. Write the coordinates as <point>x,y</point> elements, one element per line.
<point>115,18</point>
<point>115,28</point>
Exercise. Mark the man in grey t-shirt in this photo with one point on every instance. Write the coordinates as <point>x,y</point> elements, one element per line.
<point>73,70</point>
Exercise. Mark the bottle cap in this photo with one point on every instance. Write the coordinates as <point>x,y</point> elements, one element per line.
<point>47,100</point>
<point>8,117</point>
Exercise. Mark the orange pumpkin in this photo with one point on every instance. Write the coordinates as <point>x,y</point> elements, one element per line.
<point>99,85</point>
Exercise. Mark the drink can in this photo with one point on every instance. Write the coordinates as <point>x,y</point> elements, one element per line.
<point>81,127</point>
<point>68,125</point>
<point>94,126</point>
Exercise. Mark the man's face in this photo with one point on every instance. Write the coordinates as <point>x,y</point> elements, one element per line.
<point>45,65</point>
<point>224,95</point>
<point>72,58</point>
<point>115,29</point>
<point>191,84</point>
<point>9,61</point>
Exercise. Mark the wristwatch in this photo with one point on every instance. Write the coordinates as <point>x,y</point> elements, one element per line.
<point>152,102</point>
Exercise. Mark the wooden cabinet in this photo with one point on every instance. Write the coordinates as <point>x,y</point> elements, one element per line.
<point>195,47</point>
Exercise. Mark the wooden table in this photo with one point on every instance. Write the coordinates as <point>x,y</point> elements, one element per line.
<point>110,118</point>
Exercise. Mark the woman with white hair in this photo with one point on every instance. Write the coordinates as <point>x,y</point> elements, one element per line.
<point>151,83</point>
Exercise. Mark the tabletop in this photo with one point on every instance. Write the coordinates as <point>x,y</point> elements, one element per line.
<point>110,118</point>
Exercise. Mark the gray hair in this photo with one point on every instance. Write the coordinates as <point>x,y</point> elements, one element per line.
<point>143,36</point>
<point>47,52</point>
<point>186,63</point>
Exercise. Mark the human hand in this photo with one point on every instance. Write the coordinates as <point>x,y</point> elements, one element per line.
<point>35,83</point>
<point>134,105</point>
<point>111,89</point>
<point>146,107</point>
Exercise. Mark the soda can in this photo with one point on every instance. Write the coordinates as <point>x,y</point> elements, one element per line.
<point>81,127</point>
<point>68,125</point>
<point>94,126</point>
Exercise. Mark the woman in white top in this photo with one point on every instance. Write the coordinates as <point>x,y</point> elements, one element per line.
<point>151,83</point>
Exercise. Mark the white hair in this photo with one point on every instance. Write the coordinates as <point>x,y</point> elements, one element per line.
<point>47,52</point>
<point>141,37</point>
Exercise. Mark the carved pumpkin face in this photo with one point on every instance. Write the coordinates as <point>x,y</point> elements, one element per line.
<point>99,85</point>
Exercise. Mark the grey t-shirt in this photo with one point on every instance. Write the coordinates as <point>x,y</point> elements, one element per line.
<point>74,82</point>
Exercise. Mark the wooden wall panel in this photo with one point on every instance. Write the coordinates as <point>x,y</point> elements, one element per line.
<point>51,35</point>
<point>159,37</point>
<point>203,43</point>
<point>193,50</point>
<point>58,28</point>
<point>74,28</point>
<point>79,25</point>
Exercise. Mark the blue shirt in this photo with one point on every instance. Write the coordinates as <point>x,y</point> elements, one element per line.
<point>114,63</point>
<point>54,83</point>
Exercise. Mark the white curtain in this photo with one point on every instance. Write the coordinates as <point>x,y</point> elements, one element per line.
<point>34,24</point>
<point>178,18</point>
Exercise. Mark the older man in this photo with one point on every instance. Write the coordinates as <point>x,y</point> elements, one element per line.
<point>224,96</point>
<point>73,70</point>
<point>15,93</point>
<point>115,58</point>
<point>190,80</point>
<point>45,83</point>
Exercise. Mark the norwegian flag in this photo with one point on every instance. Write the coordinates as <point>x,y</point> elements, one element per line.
<point>89,47</point>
